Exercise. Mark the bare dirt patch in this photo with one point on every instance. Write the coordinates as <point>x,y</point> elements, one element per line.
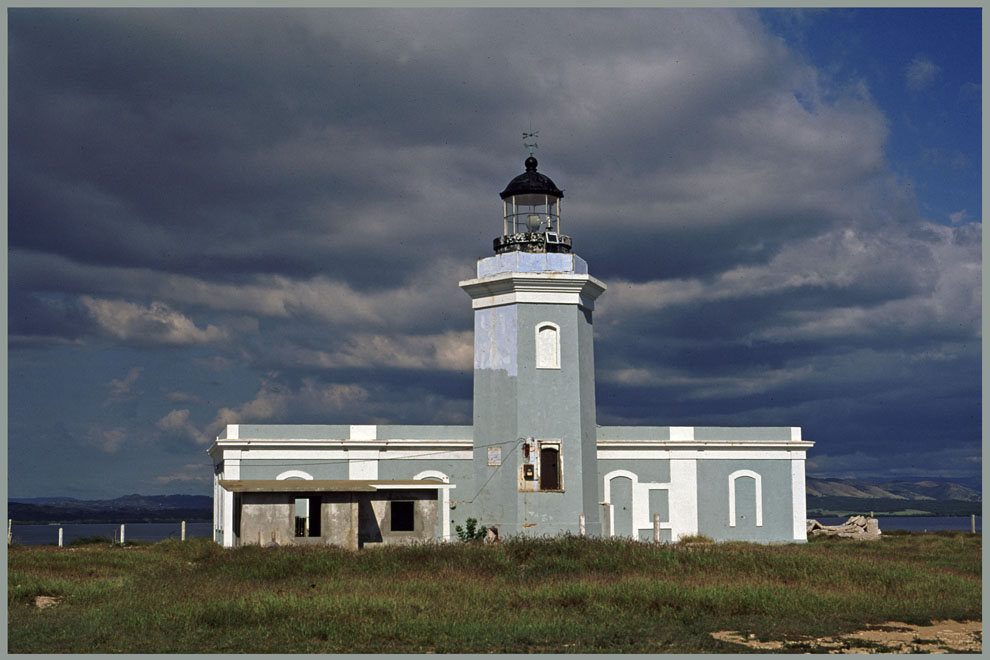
<point>890,637</point>
<point>42,602</point>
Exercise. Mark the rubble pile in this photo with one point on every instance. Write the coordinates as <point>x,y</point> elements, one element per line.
<point>857,527</point>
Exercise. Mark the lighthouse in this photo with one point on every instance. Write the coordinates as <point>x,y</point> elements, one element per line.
<point>534,456</point>
<point>533,462</point>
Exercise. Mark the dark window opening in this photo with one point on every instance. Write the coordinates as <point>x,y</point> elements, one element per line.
<point>549,468</point>
<point>307,516</point>
<point>402,517</point>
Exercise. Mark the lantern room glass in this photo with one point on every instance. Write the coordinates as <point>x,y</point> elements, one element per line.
<point>530,213</point>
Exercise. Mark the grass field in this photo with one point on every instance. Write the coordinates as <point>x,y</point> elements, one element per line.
<point>565,595</point>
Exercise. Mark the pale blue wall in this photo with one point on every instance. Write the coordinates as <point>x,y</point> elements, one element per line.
<point>713,500</point>
<point>271,468</point>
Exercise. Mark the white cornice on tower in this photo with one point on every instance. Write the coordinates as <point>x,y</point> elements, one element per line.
<point>547,288</point>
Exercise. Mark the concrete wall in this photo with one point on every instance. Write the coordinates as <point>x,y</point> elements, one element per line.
<point>350,520</point>
<point>267,517</point>
<point>375,517</point>
<point>452,508</point>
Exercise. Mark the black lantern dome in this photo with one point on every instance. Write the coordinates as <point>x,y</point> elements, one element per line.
<point>531,214</point>
<point>531,182</point>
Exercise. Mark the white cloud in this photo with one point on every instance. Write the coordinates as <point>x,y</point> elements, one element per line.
<point>177,422</point>
<point>449,351</point>
<point>156,324</point>
<point>958,216</point>
<point>183,397</point>
<point>121,387</point>
<point>944,463</point>
<point>712,387</point>
<point>193,473</point>
<point>915,279</point>
<point>273,402</point>
<point>920,73</point>
<point>106,439</point>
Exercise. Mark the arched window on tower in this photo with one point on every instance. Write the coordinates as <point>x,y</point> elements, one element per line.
<point>547,345</point>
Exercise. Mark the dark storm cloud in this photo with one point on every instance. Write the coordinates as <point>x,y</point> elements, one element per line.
<point>294,195</point>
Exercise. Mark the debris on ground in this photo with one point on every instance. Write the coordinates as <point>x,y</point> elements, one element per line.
<point>41,602</point>
<point>857,527</point>
<point>890,637</point>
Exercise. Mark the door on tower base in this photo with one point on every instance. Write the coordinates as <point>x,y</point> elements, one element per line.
<point>550,477</point>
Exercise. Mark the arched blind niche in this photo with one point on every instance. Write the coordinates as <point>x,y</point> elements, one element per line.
<point>547,345</point>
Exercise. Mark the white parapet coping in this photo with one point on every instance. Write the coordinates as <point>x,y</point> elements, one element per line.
<point>548,288</point>
<point>364,432</point>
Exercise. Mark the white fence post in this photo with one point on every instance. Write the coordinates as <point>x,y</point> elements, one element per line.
<point>183,530</point>
<point>972,523</point>
<point>10,523</point>
<point>581,529</point>
<point>122,535</point>
<point>656,527</point>
<point>60,537</point>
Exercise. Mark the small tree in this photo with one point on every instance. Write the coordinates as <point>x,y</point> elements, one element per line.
<point>469,531</point>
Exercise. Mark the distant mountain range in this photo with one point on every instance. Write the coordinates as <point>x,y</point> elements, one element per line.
<point>842,497</point>
<point>895,490</point>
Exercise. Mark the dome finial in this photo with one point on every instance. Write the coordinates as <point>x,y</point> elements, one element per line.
<point>531,164</point>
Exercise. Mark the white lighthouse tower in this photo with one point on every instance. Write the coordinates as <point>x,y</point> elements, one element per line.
<point>534,383</point>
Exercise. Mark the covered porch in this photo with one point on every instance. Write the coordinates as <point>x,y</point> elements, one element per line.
<point>346,513</point>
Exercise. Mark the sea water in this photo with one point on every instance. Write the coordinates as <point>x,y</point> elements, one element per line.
<point>41,534</point>
<point>916,523</point>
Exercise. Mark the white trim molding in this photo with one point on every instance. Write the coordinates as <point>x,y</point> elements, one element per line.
<point>294,474</point>
<point>551,288</point>
<point>683,497</point>
<point>640,502</point>
<point>732,495</point>
<point>231,470</point>
<point>799,503</point>
<point>445,499</point>
<point>363,464</point>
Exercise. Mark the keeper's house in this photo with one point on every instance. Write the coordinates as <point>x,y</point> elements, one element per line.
<point>534,462</point>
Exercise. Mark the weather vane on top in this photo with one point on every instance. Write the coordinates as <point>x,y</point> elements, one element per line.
<point>532,135</point>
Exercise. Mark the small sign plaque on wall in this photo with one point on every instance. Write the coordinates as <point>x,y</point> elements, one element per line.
<point>494,456</point>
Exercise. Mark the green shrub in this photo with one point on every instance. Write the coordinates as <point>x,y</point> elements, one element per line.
<point>469,531</point>
<point>696,538</point>
<point>90,540</point>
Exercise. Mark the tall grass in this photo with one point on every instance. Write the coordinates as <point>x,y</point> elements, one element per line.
<point>536,595</point>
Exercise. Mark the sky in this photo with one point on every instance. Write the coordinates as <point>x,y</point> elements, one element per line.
<point>261,216</point>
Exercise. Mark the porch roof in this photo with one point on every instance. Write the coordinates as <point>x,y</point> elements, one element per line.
<point>324,485</point>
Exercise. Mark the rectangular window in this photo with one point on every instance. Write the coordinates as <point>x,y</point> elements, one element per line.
<point>402,517</point>
<point>550,467</point>
<point>307,516</point>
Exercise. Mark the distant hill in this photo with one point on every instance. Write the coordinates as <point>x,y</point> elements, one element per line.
<point>842,497</point>
<point>895,490</point>
<point>129,508</point>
